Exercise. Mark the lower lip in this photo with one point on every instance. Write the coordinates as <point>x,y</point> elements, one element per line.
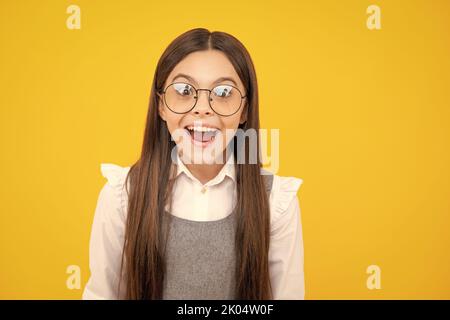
<point>202,144</point>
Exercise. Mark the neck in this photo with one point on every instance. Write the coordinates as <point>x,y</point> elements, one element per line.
<point>206,172</point>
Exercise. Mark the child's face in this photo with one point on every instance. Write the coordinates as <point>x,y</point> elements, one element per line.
<point>201,131</point>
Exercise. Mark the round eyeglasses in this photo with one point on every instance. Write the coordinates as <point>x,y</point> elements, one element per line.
<point>224,99</point>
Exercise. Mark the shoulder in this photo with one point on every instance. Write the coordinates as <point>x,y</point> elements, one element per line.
<point>114,191</point>
<point>114,173</point>
<point>283,195</point>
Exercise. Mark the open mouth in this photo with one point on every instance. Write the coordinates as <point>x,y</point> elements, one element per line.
<point>201,135</point>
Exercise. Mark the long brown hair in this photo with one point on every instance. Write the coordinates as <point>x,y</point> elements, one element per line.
<point>149,188</point>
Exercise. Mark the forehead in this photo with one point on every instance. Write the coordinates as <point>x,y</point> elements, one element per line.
<point>205,67</point>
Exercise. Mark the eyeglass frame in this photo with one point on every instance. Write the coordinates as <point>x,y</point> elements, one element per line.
<point>196,98</point>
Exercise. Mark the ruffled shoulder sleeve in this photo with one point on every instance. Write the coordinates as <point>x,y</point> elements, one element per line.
<point>114,173</point>
<point>116,176</point>
<point>284,191</point>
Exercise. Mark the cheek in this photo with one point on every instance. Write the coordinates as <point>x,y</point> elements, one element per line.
<point>231,122</point>
<point>173,122</point>
<point>177,132</point>
<point>229,127</point>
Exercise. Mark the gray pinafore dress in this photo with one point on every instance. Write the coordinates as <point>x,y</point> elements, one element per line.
<point>200,257</point>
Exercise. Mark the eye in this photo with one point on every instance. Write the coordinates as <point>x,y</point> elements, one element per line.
<point>223,91</point>
<point>184,89</point>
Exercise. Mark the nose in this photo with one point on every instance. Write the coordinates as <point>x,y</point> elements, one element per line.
<point>202,106</point>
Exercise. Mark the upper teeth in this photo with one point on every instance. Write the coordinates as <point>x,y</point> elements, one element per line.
<point>202,129</point>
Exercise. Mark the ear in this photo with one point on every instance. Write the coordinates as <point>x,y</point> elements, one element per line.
<point>161,109</point>
<point>244,114</point>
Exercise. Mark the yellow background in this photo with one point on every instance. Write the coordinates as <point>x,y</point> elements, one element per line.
<point>363,117</point>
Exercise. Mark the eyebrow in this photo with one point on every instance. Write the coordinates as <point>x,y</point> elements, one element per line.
<point>221,79</point>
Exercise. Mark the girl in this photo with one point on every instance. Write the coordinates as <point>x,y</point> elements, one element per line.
<point>171,228</point>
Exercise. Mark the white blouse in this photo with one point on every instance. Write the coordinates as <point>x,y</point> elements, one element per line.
<point>201,202</point>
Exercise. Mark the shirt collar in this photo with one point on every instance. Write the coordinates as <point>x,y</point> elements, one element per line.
<point>228,170</point>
